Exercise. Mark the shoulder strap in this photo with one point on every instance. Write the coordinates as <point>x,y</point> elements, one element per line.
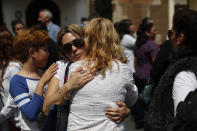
<point>66,72</point>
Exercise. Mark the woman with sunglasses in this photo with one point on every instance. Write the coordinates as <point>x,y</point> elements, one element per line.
<point>69,47</point>
<point>72,48</point>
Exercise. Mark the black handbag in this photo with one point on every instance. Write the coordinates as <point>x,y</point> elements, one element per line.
<point>57,118</point>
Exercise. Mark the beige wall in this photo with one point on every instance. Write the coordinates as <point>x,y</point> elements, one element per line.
<point>72,10</point>
<point>158,10</point>
<point>120,10</point>
<point>193,4</point>
<point>181,2</point>
<point>137,11</point>
<point>159,13</point>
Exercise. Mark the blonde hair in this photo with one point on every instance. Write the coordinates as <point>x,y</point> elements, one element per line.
<point>102,44</point>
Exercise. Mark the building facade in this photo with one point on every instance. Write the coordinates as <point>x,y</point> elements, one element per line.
<point>71,11</point>
<point>64,11</point>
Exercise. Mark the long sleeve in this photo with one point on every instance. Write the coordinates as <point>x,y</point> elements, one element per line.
<point>20,93</point>
<point>132,91</point>
<point>128,42</point>
<point>8,109</point>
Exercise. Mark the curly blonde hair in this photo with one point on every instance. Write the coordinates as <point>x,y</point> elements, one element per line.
<point>102,44</point>
<point>29,38</point>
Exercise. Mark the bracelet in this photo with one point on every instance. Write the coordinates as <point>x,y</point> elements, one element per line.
<point>61,94</point>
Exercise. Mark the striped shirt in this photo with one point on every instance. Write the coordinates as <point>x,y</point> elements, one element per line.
<point>29,103</point>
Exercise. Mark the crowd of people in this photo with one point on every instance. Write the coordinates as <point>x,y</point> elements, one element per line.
<point>108,67</point>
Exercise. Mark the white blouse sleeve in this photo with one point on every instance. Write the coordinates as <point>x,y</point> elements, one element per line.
<point>128,41</point>
<point>132,95</point>
<point>184,82</point>
<point>61,70</point>
<point>8,109</point>
<point>12,70</point>
<point>132,92</point>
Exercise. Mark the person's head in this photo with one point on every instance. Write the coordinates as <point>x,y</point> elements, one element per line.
<point>169,34</point>
<point>6,49</point>
<point>70,43</point>
<point>83,19</point>
<point>31,44</point>
<point>40,26</point>
<point>17,26</point>
<point>125,26</point>
<point>145,32</point>
<point>116,24</point>
<point>92,16</point>
<point>45,16</point>
<point>102,44</point>
<point>147,20</point>
<point>184,30</point>
<point>2,26</point>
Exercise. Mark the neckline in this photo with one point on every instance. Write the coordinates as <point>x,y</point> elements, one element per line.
<point>27,77</point>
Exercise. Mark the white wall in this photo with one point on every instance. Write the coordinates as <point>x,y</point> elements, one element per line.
<point>10,7</point>
<point>171,6</point>
<point>193,4</point>
<point>120,11</point>
<point>181,2</point>
<point>71,10</point>
<point>170,13</point>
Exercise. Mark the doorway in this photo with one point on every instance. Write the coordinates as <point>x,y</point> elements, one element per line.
<point>35,6</point>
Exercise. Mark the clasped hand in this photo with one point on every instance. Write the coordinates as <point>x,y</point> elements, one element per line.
<point>78,79</point>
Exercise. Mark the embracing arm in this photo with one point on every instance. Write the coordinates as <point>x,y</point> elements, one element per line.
<point>52,95</point>
<point>19,91</point>
<point>123,111</point>
<point>55,95</point>
<point>118,114</point>
<point>131,96</point>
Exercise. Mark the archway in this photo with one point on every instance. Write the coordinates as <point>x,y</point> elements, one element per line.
<point>1,13</point>
<point>34,8</point>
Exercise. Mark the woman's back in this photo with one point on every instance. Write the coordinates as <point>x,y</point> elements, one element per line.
<point>144,56</point>
<point>88,106</point>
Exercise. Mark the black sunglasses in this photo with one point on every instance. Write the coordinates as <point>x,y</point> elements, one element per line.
<point>67,47</point>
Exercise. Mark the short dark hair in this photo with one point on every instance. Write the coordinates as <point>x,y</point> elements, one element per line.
<point>15,22</point>
<point>92,16</point>
<point>2,26</point>
<point>40,26</point>
<point>83,19</point>
<point>123,27</point>
<point>185,22</point>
